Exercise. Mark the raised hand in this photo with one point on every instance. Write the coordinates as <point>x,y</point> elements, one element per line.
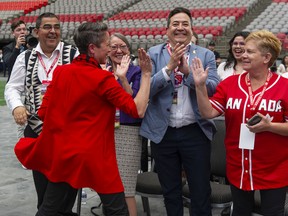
<point>199,74</point>
<point>20,41</point>
<point>144,61</point>
<point>122,69</point>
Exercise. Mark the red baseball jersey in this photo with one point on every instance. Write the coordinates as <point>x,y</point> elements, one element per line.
<point>266,166</point>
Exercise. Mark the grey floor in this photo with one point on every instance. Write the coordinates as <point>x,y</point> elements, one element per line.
<point>17,193</point>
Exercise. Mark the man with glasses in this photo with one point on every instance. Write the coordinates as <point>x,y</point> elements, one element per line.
<point>32,74</point>
<point>18,45</point>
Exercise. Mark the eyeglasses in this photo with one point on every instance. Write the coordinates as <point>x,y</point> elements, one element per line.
<point>123,48</point>
<point>49,27</point>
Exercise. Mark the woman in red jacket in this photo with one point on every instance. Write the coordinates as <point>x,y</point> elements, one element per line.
<point>76,147</point>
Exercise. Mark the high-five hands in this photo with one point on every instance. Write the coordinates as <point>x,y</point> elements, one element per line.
<point>144,61</point>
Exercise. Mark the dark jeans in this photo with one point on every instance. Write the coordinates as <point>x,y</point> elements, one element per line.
<point>41,185</point>
<point>186,147</point>
<point>144,155</point>
<point>272,201</point>
<point>55,197</point>
<point>114,204</point>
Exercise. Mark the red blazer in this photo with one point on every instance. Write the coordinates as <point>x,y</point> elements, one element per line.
<point>77,141</point>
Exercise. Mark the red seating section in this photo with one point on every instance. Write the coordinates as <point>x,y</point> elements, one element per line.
<point>211,12</point>
<point>219,12</point>
<point>68,18</point>
<point>237,12</point>
<point>140,15</point>
<point>26,6</point>
<point>279,1</point>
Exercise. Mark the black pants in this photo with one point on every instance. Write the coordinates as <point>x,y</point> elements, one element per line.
<point>144,155</point>
<point>187,148</point>
<point>55,198</point>
<point>114,204</point>
<point>272,201</point>
<point>41,185</point>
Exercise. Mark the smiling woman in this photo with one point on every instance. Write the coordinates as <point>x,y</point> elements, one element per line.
<point>128,142</point>
<point>233,65</point>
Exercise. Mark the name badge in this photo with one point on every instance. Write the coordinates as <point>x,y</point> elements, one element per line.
<point>43,87</point>
<point>175,97</point>
<point>247,138</point>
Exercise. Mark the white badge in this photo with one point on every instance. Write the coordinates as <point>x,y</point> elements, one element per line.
<point>247,138</point>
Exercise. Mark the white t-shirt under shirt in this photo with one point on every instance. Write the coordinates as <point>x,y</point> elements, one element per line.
<point>223,74</point>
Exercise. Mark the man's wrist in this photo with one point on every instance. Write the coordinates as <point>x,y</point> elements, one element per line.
<point>168,71</point>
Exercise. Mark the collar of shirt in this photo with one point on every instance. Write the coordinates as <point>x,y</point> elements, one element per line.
<point>57,49</point>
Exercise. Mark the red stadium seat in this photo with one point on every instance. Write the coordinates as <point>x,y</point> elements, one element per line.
<point>205,32</point>
<point>219,29</point>
<point>281,36</point>
<point>215,32</point>
<point>285,44</point>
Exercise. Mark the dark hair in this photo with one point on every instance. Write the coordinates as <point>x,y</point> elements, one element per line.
<point>283,60</point>
<point>17,23</point>
<point>179,10</point>
<point>44,15</point>
<point>90,33</point>
<point>231,59</point>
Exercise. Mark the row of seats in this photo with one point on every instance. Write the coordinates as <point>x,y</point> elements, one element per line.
<point>221,24</point>
<point>237,12</point>
<point>68,18</point>
<point>274,18</point>
<point>22,5</point>
<point>214,30</point>
<point>105,7</point>
<point>208,23</point>
<point>149,5</point>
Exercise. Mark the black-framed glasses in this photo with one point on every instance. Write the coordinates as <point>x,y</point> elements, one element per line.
<point>121,47</point>
<point>49,27</point>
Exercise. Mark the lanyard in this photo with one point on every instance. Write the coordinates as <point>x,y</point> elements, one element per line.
<point>251,96</point>
<point>52,65</point>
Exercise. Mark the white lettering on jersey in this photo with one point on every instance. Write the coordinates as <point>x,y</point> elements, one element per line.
<point>271,106</point>
<point>233,103</point>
